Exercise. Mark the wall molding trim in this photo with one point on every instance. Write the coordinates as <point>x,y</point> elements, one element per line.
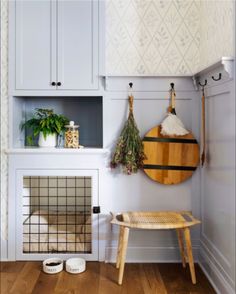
<point>228,63</point>
<point>215,260</point>
<point>214,275</point>
<point>225,66</point>
<point>213,250</point>
<point>3,251</point>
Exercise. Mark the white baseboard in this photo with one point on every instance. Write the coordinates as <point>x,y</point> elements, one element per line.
<point>3,252</point>
<point>214,275</point>
<point>148,254</point>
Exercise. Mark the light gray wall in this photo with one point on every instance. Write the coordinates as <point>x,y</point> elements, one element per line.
<point>138,192</point>
<point>217,241</point>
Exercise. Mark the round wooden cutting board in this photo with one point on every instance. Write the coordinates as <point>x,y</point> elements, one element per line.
<point>170,160</point>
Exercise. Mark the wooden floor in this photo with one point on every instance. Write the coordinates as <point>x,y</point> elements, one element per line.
<point>27,277</point>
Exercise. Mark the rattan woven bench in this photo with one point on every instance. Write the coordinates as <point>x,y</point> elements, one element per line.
<point>163,220</point>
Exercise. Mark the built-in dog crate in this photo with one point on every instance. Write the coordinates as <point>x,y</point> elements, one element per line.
<point>54,192</point>
<point>57,214</point>
<point>54,214</point>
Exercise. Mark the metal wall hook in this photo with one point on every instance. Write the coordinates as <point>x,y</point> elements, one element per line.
<point>217,79</point>
<point>131,85</point>
<point>203,85</point>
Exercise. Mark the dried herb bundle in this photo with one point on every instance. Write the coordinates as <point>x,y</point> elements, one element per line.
<point>129,149</point>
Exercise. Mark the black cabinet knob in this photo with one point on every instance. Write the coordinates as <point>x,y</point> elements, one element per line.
<point>53,84</point>
<point>58,83</point>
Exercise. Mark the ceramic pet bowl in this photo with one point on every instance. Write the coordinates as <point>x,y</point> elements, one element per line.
<point>75,265</point>
<point>52,265</point>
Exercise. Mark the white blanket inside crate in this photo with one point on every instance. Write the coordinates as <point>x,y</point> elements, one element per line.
<point>57,231</point>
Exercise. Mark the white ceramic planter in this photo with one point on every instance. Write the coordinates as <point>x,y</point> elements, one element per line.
<point>50,141</point>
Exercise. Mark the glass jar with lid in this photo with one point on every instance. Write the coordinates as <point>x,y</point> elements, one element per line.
<point>72,135</point>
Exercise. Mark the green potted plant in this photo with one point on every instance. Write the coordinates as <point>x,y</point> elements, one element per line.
<point>47,125</point>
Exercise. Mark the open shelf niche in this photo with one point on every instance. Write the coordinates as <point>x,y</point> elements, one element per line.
<point>84,111</point>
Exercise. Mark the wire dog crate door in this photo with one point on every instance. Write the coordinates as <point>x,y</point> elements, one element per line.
<point>57,215</point>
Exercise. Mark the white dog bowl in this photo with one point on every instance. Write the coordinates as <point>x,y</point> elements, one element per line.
<point>52,265</point>
<point>75,265</point>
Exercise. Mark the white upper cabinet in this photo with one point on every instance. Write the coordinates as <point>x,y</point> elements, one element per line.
<point>33,45</point>
<point>78,44</point>
<point>56,45</point>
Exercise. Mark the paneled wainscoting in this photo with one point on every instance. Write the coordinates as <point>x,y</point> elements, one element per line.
<point>27,277</point>
<point>217,238</point>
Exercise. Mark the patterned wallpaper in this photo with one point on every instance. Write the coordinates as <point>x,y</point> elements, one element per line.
<point>163,37</point>
<point>216,31</point>
<point>4,115</point>
<point>152,37</point>
<point>166,37</point>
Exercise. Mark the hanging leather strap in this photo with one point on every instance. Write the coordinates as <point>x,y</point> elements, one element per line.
<point>173,96</point>
<point>131,103</point>
<point>203,155</point>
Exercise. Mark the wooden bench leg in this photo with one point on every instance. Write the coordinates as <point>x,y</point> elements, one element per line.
<point>119,247</point>
<point>190,254</point>
<point>123,254</point>
<point>181,246</point>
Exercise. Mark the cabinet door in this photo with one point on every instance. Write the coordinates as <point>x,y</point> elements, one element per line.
<point>78,44</point>
<point>35,44</point>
